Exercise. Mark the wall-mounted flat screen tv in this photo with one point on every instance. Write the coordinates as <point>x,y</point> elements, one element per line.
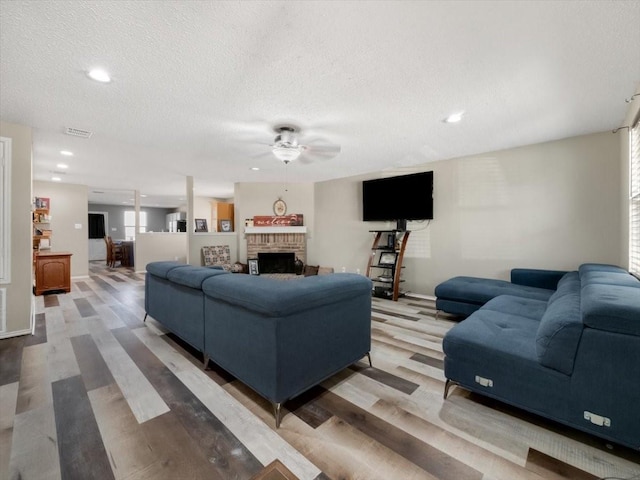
<point>404,197</point>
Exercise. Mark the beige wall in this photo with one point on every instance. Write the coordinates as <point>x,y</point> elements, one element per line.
<point>257,199</point>
<point>19,290</point>
<point>69,207</point>
<point>552,205</point>
<point>155,247</point>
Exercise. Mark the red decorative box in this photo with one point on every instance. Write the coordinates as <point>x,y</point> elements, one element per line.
<point>293,220</point>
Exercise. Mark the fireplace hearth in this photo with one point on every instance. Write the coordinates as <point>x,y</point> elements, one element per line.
<point>276,262</point>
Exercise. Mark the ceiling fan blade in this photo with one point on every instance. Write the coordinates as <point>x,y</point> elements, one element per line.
<point>320,154</point>
<point>321,149</point>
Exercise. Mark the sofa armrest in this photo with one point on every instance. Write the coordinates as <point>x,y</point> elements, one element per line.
<point>537,278</point>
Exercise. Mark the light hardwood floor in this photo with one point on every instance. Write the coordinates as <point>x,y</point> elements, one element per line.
<point>98,394</point>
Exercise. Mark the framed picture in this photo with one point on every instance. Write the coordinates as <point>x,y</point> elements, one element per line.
<point>42,203</point>
<point>388,258</point>
<point>225,225</point>
<point>201,225</point>
<point>253,266</point>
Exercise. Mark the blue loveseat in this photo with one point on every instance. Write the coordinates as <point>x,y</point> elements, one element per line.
<point>574,358</point>
<point>278,337</point>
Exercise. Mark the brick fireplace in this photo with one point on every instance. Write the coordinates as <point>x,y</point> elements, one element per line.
<point>276,239</point>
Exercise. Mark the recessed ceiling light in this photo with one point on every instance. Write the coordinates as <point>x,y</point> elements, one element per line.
<point>56,179</point>
<point>99,75</point>
<point>66,153</point>
<point>454,117</point>
<point>62,165</point>
<point>255,169</point>
<point>143,195</point>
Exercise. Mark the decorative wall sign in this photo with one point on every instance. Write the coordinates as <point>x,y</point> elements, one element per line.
<point>292,220</point>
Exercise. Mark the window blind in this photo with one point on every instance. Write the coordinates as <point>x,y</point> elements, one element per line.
<point>634,202</point>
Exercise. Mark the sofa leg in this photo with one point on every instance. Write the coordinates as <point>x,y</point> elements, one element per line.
<point>437,313</point>
<point>145,317</point>
<point>205,360</point>
<point>369,357</point>
<point>277,413</point>
<point>447,386</point>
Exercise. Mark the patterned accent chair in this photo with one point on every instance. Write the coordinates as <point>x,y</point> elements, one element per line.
<point>217,255</point>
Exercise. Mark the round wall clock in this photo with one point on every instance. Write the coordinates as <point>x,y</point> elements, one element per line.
<point>279,207</point>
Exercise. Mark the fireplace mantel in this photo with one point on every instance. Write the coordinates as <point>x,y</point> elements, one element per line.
<point>258,230</point>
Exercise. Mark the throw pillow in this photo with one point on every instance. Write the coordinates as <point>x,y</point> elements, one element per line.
<point>310,270</point>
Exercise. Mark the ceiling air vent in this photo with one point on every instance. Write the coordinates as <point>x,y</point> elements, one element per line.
<point>77,132</point>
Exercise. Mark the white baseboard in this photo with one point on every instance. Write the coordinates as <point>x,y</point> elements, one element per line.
<point>419,295</point>
<point>17,333</point>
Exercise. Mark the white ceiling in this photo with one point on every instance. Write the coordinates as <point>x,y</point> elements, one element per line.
<point>198,85</point>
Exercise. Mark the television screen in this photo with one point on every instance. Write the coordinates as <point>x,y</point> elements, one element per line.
<point>405,197</point>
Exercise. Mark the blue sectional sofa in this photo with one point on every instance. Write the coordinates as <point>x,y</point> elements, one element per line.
<point>278,337</point>
<point>573,358</point>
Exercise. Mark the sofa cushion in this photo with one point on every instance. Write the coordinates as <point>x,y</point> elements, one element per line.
<point>524,307</point>
<point>193,276</point>
<point>599,267</point>
<point>570,283</point>
<point>610,278</point>
<point>275,298</point>
<point>481,290</point>
<point>536,277</point>
<point>162,269</point>
<point>614,308</point>
<point>559,333</point>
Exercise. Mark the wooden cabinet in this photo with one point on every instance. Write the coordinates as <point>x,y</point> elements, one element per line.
<point>52,271</point>
<point>221,211</point>
<point>385,262</point>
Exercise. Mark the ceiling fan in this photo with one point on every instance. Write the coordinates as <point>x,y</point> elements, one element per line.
<point>287,147</point>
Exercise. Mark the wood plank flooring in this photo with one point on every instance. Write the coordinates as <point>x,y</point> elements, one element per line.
<point>98,394</point>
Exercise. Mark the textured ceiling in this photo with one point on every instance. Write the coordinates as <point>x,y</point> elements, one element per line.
<point>198,85</point>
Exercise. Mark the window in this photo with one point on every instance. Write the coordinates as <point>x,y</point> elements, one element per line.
<point>130,224</point>
<point>5,211</point>
<point>634,201</point>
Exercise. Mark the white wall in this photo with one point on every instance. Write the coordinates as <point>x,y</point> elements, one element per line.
<point>257,199</point>
<point>552,205</point>
<point>202,209</point>
<point>18,291</point>
<point>68,208</point>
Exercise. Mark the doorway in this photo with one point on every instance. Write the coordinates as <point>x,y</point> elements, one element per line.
<point>98,226</point>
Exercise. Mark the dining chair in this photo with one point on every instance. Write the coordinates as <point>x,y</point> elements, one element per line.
<point>114,252</point>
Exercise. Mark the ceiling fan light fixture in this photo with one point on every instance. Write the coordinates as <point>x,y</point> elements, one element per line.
<point>454,117</point>
<point>286,154</point>
<point>99,75</point>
